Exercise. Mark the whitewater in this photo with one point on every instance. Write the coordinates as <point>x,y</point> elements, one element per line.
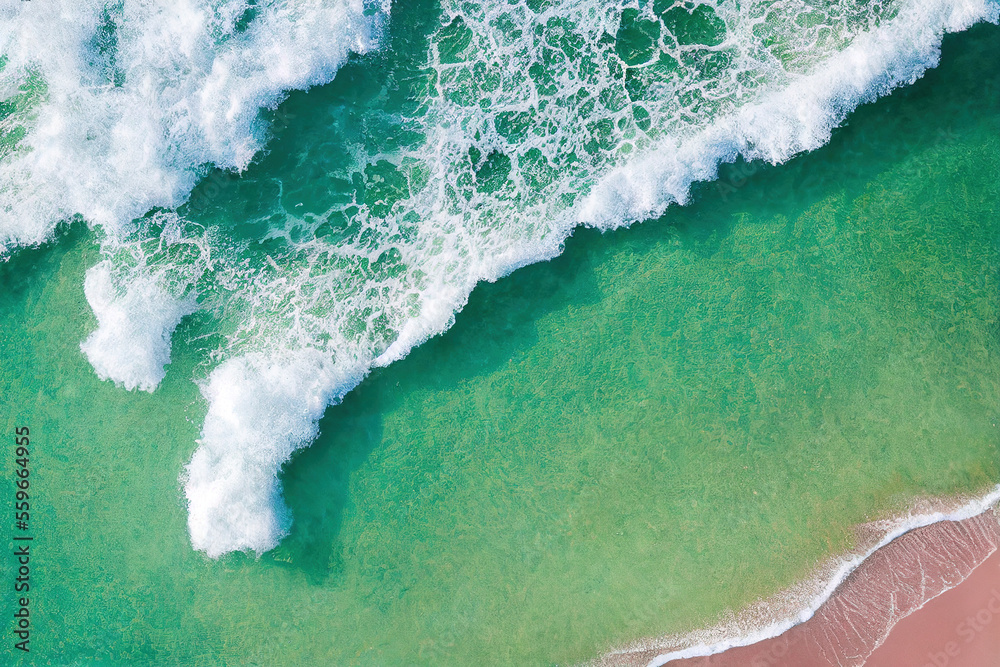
<point>513,125</point>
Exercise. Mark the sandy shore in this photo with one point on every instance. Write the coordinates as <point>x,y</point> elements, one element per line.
<point>897,580</point>
<point>960,628</point>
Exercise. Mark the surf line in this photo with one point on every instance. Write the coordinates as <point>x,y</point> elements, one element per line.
<point>846,565</point>
<point>22,540</point>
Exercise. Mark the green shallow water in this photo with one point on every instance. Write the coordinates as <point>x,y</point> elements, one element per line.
<point>662,424</point>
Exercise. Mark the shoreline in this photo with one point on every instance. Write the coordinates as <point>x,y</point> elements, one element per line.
<point>955,629</point>
<point>764,625</point>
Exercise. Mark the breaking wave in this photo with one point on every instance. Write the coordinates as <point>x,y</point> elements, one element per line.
<point>465,148</point>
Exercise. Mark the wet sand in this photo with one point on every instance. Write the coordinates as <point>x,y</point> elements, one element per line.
<point>960,628</point>
<point>894,582</point>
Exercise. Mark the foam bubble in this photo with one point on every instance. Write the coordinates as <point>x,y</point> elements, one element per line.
<point>120,107</point>
<point>131,345</point>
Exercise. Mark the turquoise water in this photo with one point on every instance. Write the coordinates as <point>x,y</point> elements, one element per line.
<point>662,423</point>
<point>455,143</point>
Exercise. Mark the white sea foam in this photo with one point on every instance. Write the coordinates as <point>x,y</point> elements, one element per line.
<point>262,408</point>
<point>785,122</point>
<point>260,411</point>
<point>135,321</point>
<point>124,105</point>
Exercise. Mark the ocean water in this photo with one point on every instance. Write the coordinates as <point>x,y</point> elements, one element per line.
<point>661,424</point>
